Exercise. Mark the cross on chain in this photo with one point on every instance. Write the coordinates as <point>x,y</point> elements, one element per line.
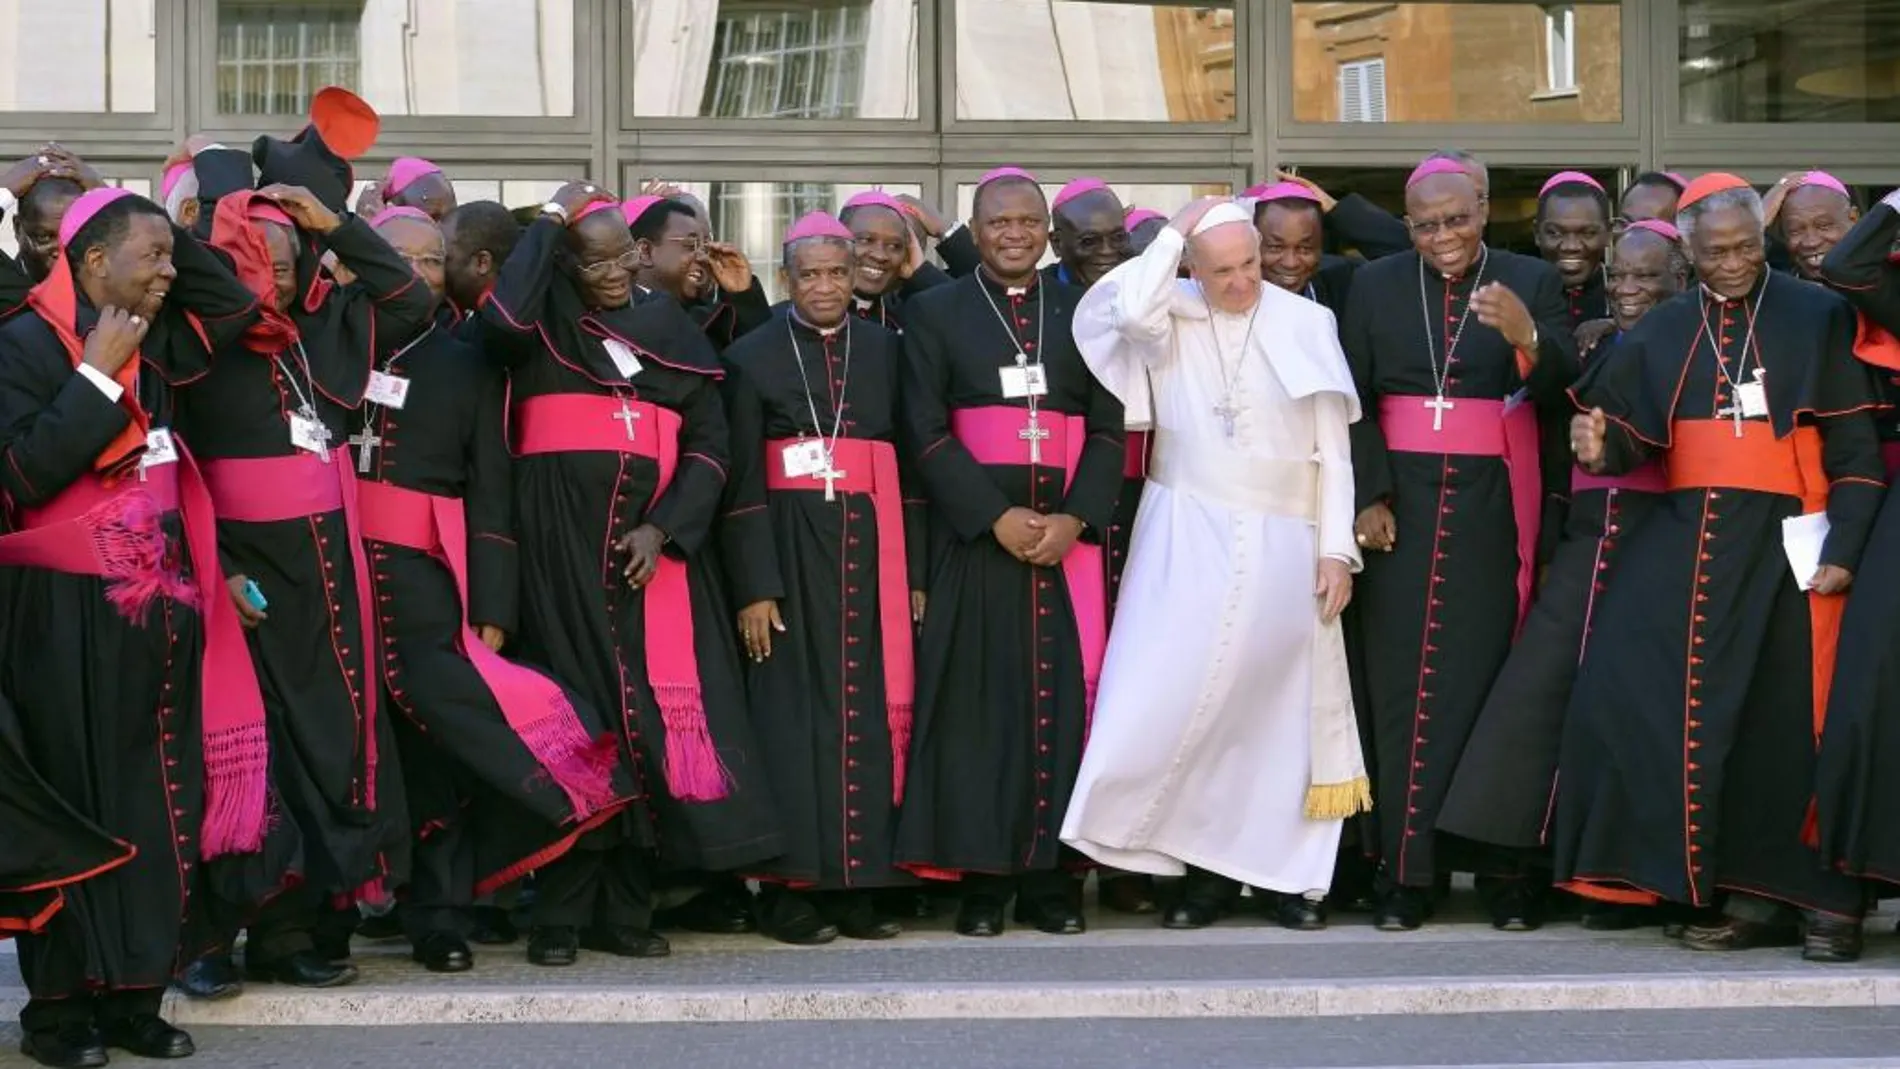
<point>366,441</point>
<point>627,417</point>
<point>1228,412</point>
<point>830,475</point>
<point>1034,433</point>
<point>1438,405</point>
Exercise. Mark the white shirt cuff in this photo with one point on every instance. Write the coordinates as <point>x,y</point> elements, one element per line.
<point>112,390</point>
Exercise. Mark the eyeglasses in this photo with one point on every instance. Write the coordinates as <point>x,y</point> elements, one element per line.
<point>1424,228</point>
<point>426,263</point>
<point>694,245</point>
<point>629,260</point>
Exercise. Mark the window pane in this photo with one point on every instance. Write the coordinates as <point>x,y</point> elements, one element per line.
<point>1117,60</point>
<point>796,59</point>
<point>1475,61</point>
<point>424,57</point>
<point>1513,196</point>
<point>755,215</point>
<point>78,56</point>
<point>1800,61</point>
<point>513,192</point>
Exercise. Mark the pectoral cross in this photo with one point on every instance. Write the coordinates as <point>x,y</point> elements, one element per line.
<point>830,475</point>
<point>1438,405</point>
<point>1228,412</point>
<point>366,441</point>
<point>1733,411</point>
<point>1034,434</point>
<point>627,416</point>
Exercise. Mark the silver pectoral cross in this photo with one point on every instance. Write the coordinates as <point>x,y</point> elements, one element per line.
<point>366,442</point>
<point>1228,412</point>
<point>627,417</point>
<point>1438,405</point>
<point>830,475</point>
<point>1034,433</point>
<point>1734,412</point>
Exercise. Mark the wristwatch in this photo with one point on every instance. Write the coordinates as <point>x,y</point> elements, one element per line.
<point>554,208</point>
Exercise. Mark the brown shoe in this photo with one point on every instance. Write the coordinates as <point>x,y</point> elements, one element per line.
<point>1741,935</point>
<point>1831,940</point>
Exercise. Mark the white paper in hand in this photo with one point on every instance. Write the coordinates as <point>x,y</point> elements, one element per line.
<point>1802,538</point>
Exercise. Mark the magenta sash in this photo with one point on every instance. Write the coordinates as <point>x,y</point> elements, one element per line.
<point>1481,428</point>
<point>275,489</point>
<point>535,707</point>
<point>870,467</point>
<point>992,435</point>
<point>592,423</point>
<point>112,531</point>
<point>1135,456</point>
<point>1648,479</point>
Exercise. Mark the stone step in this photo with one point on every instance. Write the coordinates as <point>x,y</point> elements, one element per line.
<point>1120,970</point>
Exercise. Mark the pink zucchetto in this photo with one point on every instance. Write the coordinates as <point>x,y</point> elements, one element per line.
<point>404,171</point>
<point>1825,181</point>
<point>1001,173</point>
<point>172,176</point>
<point>1658,228</point>
<point>1435,166</point>
<point>875,198</point>
<point>1138,216</point>
<point>1281,191</point>
<point>89,204</point>
<point>1077,188</point>
<point>401,211</point>
<point>817,225</point>
<point>1564,178</point>
<point>635,207</point>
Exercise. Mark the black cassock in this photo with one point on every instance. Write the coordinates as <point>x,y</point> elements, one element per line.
<point>312,657</point>
<point>578,616</point>
<point>887,309</point>
<point>1688,760</point>
<point>1001,709</point>
<point>1586,303</point>
<point>1857,792</point>
<point>727,317</point>
<point>819,702</point>
<point>108,710</point>
<point>1439,611</point>
<point>484,809</point>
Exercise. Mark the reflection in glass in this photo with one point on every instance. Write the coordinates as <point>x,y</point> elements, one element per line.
<point>1513,196</point>
<point>1799,61</point>
<point>1116,60</point>
<point>755,215</point>
<point>425,57</point>
<point>78,56</point>
<point>1476,61</point>
<point>782,59</point>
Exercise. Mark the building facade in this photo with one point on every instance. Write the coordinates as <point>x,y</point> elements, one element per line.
<point>769,108</point>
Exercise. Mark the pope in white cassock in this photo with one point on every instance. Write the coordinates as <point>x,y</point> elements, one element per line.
<point>1223,746</point>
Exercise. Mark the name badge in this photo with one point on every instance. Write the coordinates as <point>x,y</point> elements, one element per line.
<point>1028,380</point>
<point>804,459</point>
<point>159,449</point>
<point>310,435</point>
<point>1753,397</point>
<point>390,391</point>
<point>624,361</point>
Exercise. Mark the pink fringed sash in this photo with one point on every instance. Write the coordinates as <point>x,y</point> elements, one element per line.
<point>580,423</point>
<point>535,707</point>
<point>992,435</point>
<point>112,531</point>
<point>870,467</point>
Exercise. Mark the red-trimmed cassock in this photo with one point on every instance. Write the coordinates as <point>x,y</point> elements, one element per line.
<point>1009,651</point>
<point>599,453</point>
<point>286,519</point>
<point>832,705</point>
<point>1688,759</point>
<point>1438,612</point>
<point>102,650</point>
<point>504,769</point>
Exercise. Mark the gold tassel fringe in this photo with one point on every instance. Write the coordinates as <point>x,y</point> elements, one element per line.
<point>1337,801</point>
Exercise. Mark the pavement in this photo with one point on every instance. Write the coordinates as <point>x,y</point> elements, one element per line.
<point>1242,994</point>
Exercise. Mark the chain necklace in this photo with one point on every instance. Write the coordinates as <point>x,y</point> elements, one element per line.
<point>367,441</point>
<point>1228,410</point>
<point>1441,374</point>
<point>831,472</point>
<point>1734,409</point>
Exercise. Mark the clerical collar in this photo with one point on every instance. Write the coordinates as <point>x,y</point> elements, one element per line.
<point>1761,280</point>
<point>863,304</point>
<point>1477,263</point>
<point>995,285</point>
<point>823,332</point>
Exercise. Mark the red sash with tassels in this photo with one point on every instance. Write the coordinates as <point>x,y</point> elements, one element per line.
<point>583,423</point>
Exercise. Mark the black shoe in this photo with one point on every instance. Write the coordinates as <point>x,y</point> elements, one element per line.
<point>980,917</point>
<point>793,918</point>
<point>1126,894</point>
<point>623,942</point>
<point>1186,915</point>
<point>715,912</point>
<point>302,969</point>
<point>76,1046</point>
<point>148,1036</point>
<point>906,903</point>
<point>1301,914</point>
<point>211,979</point>
<point>493,928</point>
<point>1831,940</point>
<point>856,918</point>
<point>443,952</point>
<point>1051,916</point>
<point>381,927</point>
<point>554,946</point>
<point>1403,909</point>
<point>1517,906</point>
<point>1732,934</point>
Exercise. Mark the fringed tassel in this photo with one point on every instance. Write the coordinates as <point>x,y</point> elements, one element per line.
<point>898,717</point>
<point>237,791</point>
<point>582,767</point>
<point>130,544</point>
<point>694,771</point>
<point>1337,801</point>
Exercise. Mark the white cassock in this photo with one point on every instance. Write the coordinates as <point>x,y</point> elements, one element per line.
<point>1223,735</point>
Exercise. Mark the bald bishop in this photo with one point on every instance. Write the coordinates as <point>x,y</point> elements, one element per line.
<point>1224,743</point>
